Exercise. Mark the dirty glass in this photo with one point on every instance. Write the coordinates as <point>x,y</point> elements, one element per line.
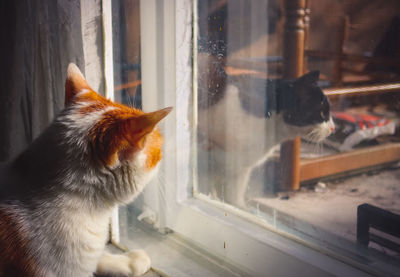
<point>252,111</point>
<point>267,74</point>
<point>126,46</point>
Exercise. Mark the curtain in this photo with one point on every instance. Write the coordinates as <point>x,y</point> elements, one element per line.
<point>39,40</point>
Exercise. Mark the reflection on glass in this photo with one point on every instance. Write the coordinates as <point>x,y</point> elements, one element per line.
<point>246,109</point>
<point>126,41</point>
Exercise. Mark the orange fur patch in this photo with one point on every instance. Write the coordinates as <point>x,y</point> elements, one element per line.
<point>153,151</point>
<point>122,131</point>
<point>111,134</point>
<point>15,259</point>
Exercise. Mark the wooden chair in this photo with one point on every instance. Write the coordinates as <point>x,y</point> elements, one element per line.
<point>295,170</point>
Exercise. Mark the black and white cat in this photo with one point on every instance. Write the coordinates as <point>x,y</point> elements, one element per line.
<point>242,119</point>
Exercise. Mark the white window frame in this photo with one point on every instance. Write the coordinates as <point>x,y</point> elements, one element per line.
<point>108,58</point>
<point>234,237</point>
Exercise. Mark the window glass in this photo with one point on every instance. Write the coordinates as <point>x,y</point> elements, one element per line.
<point>126,41</point>
<point>296,113</point>
<point>345,108</point>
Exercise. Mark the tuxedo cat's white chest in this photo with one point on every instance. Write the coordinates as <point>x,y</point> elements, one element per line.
<point>229,126</point>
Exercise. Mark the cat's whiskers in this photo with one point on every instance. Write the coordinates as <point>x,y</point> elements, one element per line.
<point>161,189</point>
<point>312,146</point>
<point>311,136</point>
<point>319,148</point>
<point>317,134</point>
<point>131,101</point>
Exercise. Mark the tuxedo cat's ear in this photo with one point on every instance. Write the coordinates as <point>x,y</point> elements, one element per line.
<point>309,78</point>
<point>74,83</point>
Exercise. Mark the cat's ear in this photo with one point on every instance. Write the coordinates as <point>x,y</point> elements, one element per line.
<point>309,78</point>
<point>74,83</point>
<point>138,127</point>
<point>125,136</point>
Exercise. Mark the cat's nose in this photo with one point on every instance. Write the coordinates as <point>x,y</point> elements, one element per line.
<point>331,125</point>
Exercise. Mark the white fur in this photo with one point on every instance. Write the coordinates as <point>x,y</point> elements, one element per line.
<point>139,262</point>
<point>134,263</point>
<point>319,132</point>
<point>69,231</point>
<point>81,234</point>
<point>143,174</point>
<point>81,123</point>
<point>113,264</point>
<point>73,70</point>
<point>241,141</point>
<point>66,222</point>
<point>66,236</point>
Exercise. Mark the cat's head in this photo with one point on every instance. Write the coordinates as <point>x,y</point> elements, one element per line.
<point>121,141</point>
<point>304,105</point>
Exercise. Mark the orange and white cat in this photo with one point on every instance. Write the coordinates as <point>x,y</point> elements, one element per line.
<point>57,196</point>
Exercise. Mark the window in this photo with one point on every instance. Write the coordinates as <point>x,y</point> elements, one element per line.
<point>236,181</point>
<point>126,52</point>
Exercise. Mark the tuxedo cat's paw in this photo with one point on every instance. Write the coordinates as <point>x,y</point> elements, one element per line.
<point>139,262</point>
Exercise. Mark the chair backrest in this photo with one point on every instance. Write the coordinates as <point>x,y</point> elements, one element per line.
<point>382,220</point>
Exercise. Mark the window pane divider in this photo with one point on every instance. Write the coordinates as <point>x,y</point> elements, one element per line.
<point>106,12</point>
